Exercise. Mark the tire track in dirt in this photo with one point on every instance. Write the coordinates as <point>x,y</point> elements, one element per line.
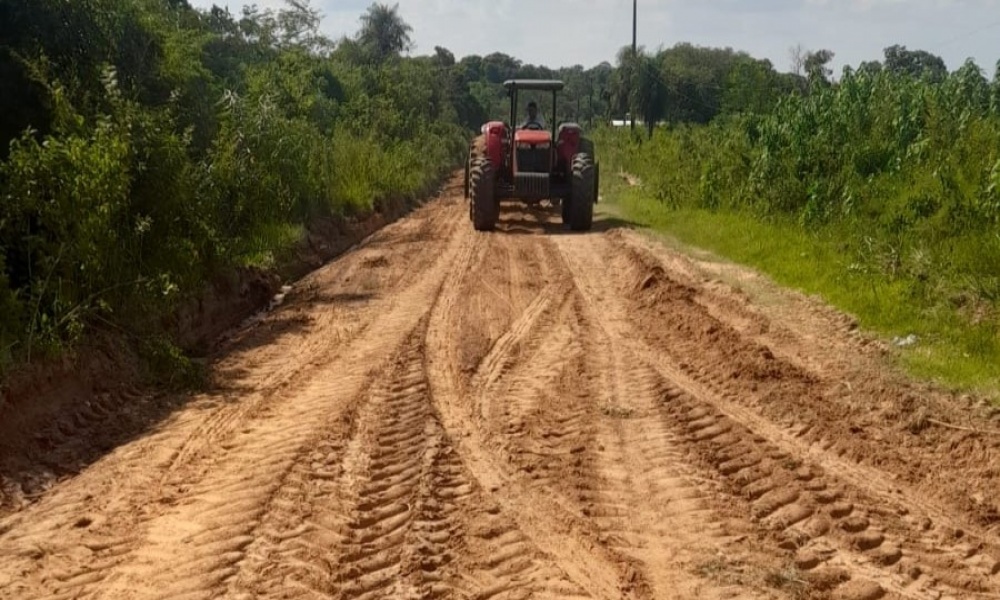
<point>540,519</point>
<point>442,414</point>
<point>363,275</point>
<point>417,513</point>
<point>296,553</point>
<point>649,505</point>
<point>852,544</point>
<point>592,432</point>
<point>514,400</point>
<point>544,398</point>
<point>842,406</point>
<point>402,517</point>
<point>400,523</point>
<point>878,511</point>
<point>500,355</point>
<point>221,515</point>
<point>836,532</point>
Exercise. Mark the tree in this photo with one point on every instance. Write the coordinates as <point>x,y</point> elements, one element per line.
<point>752,87</point>
<point>623,83</point>
<point>915,63</point>
<point>698,77</point>
<point>797,57</point>
<point>498,67</point>
<point>817,69</point>
<point>649,93</point>
<point>870,68</point>
<point>384,34</point>
<point>298,24</point>
<point>995,87</point>
<point>443,57</point>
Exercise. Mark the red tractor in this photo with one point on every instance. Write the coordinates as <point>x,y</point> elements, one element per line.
<point>522,163</point>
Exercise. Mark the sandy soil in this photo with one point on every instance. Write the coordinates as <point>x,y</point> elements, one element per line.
<point>527,414</point>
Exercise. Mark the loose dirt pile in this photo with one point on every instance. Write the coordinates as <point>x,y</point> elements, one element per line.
<point>530,414</point>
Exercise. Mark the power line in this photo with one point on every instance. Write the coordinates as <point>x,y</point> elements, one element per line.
<point>966,34</point>
<point>635,16</point>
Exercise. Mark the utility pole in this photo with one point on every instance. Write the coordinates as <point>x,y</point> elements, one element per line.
<point>634,14</point>
<point>635,58</point>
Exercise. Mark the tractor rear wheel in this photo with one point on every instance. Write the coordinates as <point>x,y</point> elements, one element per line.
<point>587,147</point>
<point>582,194</point>
<point>484,209</point>
<point>477,148</point>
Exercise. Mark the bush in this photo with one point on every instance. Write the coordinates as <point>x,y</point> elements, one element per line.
<point>207,144</point>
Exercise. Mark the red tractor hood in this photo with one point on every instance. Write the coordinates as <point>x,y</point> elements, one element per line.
<point>532,136</point>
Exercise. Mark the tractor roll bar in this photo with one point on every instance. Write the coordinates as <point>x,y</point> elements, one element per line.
<point>541,85</point>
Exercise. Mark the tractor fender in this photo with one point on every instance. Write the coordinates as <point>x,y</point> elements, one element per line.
<point>495,134</point>
<point>569,142</point>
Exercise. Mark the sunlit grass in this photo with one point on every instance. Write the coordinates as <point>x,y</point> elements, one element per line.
<point>950,349</point>
<point>267,246</point>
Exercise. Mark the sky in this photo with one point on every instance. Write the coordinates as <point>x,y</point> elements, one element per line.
<point>559,33</point>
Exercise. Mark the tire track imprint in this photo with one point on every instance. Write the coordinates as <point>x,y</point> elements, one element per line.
<point>525,414</point>
<point>853,535</point>
<point>396,540</point>
<point>538,395</point>
<point>827,524</point>
<point>547,525</point>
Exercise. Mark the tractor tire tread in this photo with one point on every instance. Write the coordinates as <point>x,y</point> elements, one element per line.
<point>484,209</point>
<point>583,193</point>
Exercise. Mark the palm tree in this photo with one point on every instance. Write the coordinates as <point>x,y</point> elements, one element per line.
<point>384,34</point>
<point>639,87</point>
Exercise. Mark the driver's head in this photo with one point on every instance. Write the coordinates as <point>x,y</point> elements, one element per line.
<point>532,109</point>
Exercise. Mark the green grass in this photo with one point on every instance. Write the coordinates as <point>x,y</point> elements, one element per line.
<point>951,350</point>
<point>271,242</point>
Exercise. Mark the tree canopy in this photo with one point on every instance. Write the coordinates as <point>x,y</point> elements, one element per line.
<point>384,34</point>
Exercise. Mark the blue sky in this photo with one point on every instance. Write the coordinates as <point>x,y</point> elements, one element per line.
<point>566,32</point>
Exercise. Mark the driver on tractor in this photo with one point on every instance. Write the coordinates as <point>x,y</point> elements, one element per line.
<point>534,120</point>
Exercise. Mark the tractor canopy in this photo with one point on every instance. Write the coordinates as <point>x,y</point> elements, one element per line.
<point>539,85</point>
<point>515,86</point>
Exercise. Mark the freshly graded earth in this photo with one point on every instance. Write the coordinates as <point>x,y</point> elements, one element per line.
<point>529,413</point>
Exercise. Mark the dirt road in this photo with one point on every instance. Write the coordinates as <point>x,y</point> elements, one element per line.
<point>531,414</point>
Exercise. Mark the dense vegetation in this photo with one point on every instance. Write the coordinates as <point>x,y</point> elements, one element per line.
<point>146,146</point>
<point>892,171</point>
<point>684,83</point>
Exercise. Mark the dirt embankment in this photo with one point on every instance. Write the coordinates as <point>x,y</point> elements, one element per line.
<point>531,414</point>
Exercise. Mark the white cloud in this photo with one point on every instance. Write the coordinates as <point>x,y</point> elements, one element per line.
<point>565,32</point>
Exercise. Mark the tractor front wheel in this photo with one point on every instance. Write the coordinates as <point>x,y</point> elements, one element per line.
<point>583,194</point>
<point>484,209</point>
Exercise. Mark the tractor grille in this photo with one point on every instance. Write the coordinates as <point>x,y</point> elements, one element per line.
<point>532,186</point>
<point>533,160</point>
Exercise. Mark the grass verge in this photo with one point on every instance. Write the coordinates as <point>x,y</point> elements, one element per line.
<point>951,348</point>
